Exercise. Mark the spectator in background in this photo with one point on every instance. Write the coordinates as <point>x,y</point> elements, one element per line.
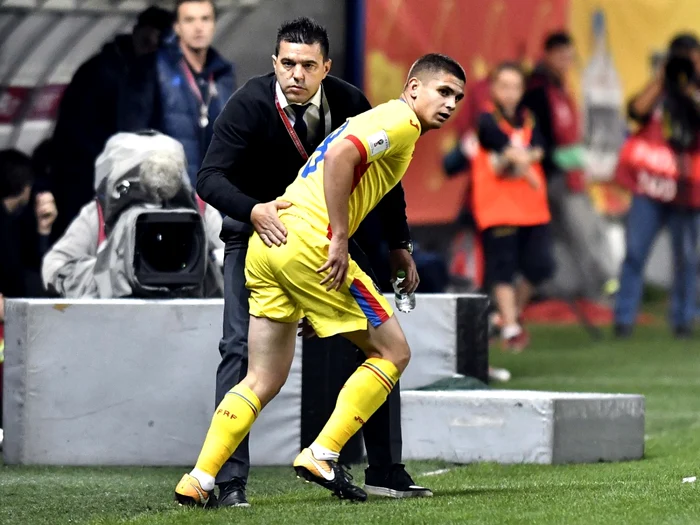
<point>187,89</point>
<point>93,108</point>
<point>26,220</point>
<point>660,164</point>
<point>574,220</point>
<point>509,202</point>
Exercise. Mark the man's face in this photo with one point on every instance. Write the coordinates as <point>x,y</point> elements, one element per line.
<point>195,25</point>
<point>560,59</point>
<point>435,97</point>
<point>507,89</point>
<point>146,40</point>
<point>299,69</point>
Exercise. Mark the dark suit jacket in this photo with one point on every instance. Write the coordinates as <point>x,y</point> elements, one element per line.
<point>252,159</point>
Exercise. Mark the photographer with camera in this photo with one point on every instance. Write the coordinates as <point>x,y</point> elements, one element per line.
<point>660,164</point>
<point>145,234</point>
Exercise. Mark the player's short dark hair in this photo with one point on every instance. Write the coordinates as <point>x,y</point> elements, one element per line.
<point>303,30</point>
<point>178,3</point>
<point>437,63</point>
<point>557,39</point>
<point>507,65</point>
<point>16,173</point>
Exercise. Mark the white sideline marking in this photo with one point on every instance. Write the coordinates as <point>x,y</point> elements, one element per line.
<point>436,472</point>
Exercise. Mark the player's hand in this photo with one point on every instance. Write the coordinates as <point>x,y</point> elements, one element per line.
<point>338,263</point>
<point>402,260</point>
<point>305,329</point>
<point>267,223</point>
<point>46,212</point>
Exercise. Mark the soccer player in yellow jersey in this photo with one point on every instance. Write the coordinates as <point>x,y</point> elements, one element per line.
<point>312,276</point>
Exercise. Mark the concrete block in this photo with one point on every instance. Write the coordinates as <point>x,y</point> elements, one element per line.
<point>512,426</point>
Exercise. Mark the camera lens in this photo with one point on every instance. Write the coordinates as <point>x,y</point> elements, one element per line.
<point>167,247</point>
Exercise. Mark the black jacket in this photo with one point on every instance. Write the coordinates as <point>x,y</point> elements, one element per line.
<point>92,110</point>
<point>252,159</point>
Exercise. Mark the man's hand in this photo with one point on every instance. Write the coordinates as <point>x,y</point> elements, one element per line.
<point>46,212</point>
<point>402,260</point>
<point>267,223</point>
<point>338,263</point>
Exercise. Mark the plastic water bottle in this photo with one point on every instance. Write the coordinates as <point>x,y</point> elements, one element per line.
<point>405,302</point>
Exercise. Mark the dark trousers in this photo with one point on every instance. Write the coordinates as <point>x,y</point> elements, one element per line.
<point>382,432</point>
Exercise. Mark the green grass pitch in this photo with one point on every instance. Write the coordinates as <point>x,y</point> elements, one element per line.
<point>649,491</point>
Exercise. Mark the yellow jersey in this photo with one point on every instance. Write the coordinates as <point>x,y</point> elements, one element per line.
<point>385,137</point>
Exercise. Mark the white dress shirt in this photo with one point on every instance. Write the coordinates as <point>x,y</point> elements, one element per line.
<point>312,116</point>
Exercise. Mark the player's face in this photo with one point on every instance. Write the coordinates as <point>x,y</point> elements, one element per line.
<point>195,25</point>
<point>507,89</point>
<point>435,98</point>
<point>300,68</point>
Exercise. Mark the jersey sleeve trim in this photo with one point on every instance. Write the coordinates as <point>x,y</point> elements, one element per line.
<point>360,147</point>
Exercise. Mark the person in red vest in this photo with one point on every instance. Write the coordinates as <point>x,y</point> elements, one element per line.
<point>660,164</point>
<point>509,201</point>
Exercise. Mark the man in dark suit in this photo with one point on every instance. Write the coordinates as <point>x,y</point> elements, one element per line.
<point>262,138</point>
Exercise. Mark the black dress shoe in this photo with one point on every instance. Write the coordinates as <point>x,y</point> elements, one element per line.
<point>623,331</point>
<point>393,482</point>
<point>232,494</point>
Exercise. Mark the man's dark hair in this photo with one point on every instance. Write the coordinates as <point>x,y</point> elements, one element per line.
<point>683,44</point>
<point>16,173</point>
<point>436,63</point>
<point>556,40</point>
<point>178,3</point>
<point>156,18</point>
<point>303,31</point>
<point>507,65</point>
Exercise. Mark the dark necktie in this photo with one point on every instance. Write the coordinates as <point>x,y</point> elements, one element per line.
<point>300,126</point>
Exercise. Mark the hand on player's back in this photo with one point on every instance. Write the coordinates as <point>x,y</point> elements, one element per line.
<point>267,223</point>
<point>338,263</point>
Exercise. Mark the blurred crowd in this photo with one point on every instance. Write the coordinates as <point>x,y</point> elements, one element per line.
<point>523,148</point>
<point>106,206</point>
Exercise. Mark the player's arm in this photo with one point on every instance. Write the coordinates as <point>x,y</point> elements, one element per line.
<point>338,171</point>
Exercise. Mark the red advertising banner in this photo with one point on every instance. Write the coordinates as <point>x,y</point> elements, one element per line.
<point>477,33</point>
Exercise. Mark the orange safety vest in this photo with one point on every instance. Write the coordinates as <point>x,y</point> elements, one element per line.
<point>499,200</point>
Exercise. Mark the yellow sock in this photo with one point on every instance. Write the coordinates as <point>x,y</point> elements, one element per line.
<point>363,393</point>
<point>231,423</point>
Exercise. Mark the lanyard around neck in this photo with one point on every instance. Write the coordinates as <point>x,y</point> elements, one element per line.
<point>325,115</point>
<point>203,106</point>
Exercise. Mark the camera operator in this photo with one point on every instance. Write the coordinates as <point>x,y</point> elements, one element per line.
<point>144,235</point>
<point>660,164</point>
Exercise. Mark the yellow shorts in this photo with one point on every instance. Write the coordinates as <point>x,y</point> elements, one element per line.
<point>285,287</point>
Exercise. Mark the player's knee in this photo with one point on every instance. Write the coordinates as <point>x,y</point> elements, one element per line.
<point>398,352</point>
<point>264,386</point>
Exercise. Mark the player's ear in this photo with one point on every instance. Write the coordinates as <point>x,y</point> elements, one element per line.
<point>327,67</point>
<point>413,84</point>
<point>274,61</point>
